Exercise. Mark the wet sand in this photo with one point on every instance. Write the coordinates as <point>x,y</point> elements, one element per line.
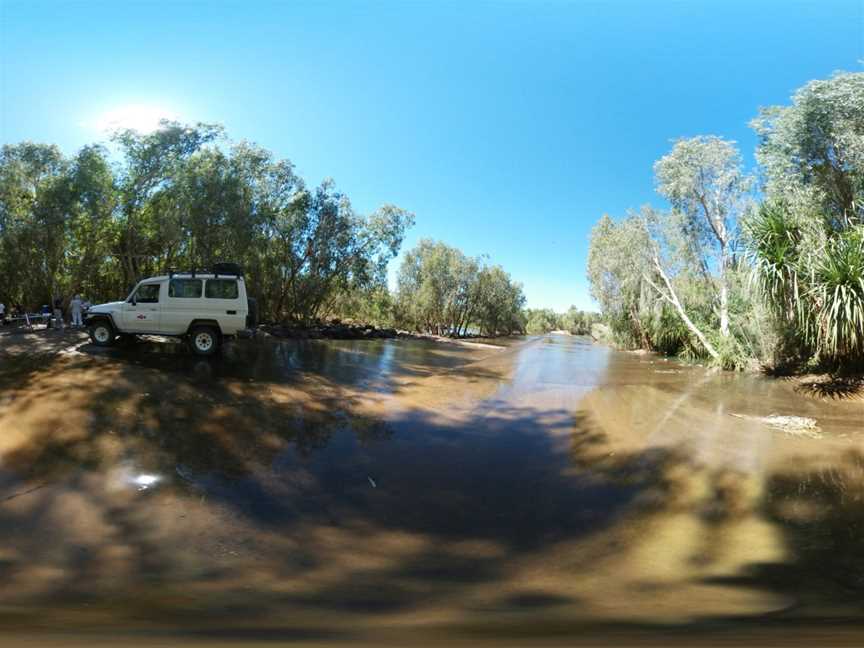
<point>410,492</point>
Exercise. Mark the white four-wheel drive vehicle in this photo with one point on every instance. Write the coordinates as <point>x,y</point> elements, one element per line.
<point>203,306</point>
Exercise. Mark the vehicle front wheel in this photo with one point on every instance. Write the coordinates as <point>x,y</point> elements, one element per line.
<point>204,340</point>
<point>102,333</point>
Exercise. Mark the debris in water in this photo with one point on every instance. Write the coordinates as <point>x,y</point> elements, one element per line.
<point>145,481</point>
<point>794,425</point>
<point>372,481</point>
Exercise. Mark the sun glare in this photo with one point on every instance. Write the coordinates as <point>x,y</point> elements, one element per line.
<point>140,117</point>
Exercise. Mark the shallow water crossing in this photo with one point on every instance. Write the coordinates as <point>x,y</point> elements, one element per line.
<point>378,490</point>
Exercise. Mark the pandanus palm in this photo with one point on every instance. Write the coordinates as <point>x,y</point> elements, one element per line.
<point>814,283</point>
<point>773,238</point>
<point>836,293</point>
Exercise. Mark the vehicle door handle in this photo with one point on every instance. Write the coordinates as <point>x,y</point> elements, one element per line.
<point>234,312</point>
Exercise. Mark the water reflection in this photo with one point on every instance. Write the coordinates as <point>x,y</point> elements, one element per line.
<point>377,484</point>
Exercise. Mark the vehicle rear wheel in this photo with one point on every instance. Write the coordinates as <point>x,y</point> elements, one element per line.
<point>102,333</point>
<point>204,340</point>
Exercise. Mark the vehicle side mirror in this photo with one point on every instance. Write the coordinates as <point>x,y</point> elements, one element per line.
<point>134,301</point>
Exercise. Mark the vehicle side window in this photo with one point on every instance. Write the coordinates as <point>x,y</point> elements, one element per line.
<point>147,294</point>
<point>221,289</point>
<point>185,288</point>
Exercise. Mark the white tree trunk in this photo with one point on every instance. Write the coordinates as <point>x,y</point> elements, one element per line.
<point>724,291</point>
<point>672,298</point>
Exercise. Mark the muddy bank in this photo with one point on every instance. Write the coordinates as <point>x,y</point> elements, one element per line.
<point>332,330</point>
<point>830,387</point>
<point>339,330</point>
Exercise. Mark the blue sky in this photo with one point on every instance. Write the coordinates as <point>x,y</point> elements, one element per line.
<point>508,128</point>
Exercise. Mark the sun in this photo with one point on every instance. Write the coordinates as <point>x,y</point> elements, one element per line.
<point>143,118</point>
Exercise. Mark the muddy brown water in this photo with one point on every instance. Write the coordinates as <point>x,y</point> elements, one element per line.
<point>419,492</point>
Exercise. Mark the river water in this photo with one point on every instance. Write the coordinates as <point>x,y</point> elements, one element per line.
<point>410,491</point>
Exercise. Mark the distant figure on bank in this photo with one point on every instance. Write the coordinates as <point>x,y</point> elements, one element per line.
<point>2,314</point>
<point>58,312</point>
<point>76,305</point>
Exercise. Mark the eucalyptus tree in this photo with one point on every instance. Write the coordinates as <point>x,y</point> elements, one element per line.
<point>703,179</point>
<point>151,163</point>
<point>89,265</point>
<point>36,203</point>
<point>499,302</point>
<point>541,320</point>
<point>175,198</point>
<point>618,256</point>
<point>807,239</point>
<point>812,151</point>
<point>441,290</point>
<point>577,321</point>
<point>339,250</point>
<point>435,288</point>
<point>634,263</point>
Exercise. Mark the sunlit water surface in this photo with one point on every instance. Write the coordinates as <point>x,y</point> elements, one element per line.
<point>552,489</point>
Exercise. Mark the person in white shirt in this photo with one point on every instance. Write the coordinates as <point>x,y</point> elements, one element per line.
<point>76,305</point>
<point>2,313</point>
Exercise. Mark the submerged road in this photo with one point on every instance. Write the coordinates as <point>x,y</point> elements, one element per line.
<point>406,491</point>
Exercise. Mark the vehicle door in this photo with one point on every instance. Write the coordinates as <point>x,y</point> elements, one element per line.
<point>142,311</point>
<point>182,305</point>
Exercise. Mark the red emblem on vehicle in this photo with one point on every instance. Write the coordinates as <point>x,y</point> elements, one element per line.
<point>142,317</point>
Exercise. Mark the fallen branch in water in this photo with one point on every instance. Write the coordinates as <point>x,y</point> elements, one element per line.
<point>795,425</point>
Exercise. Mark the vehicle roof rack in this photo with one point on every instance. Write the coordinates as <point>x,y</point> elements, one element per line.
<point>218,269</point>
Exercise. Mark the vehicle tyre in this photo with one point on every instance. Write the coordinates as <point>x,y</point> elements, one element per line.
<point>102,333</point>
<point>204,340</point>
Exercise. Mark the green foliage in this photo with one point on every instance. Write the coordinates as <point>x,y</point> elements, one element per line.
<point>442,291</point>
<point>544,320</point>
<point>175,199</point>
<point>812,151</point>
<point>618,255</point>
<point>541,320</point>
<point>805,243</point>
<point>797,294</point>
<point>578,322</point>
<point>704,180</point>
<point>666,332</point>
<point>374,305</point>
<point>836,296</point>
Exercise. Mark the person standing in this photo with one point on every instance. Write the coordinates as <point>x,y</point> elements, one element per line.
<point>2,314</point>
<point>76,305</point>
<point>58,313</point>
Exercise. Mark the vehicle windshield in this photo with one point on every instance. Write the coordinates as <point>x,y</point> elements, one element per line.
<point>145,294</point>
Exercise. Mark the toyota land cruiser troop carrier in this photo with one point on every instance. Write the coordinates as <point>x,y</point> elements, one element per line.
<point>205,307</point>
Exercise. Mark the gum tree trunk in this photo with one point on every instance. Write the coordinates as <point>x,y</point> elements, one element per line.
<point>672,298</point>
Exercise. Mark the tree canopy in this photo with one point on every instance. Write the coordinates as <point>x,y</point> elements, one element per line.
<point>443,291</point>
<point>781,281</point>
<point>182,197</point>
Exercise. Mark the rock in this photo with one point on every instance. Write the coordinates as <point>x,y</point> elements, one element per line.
<point>334,330</point>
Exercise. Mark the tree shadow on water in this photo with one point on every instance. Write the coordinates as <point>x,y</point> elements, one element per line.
<point>187,500</point>
<point>184,495</point>
<point>820,513</point>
